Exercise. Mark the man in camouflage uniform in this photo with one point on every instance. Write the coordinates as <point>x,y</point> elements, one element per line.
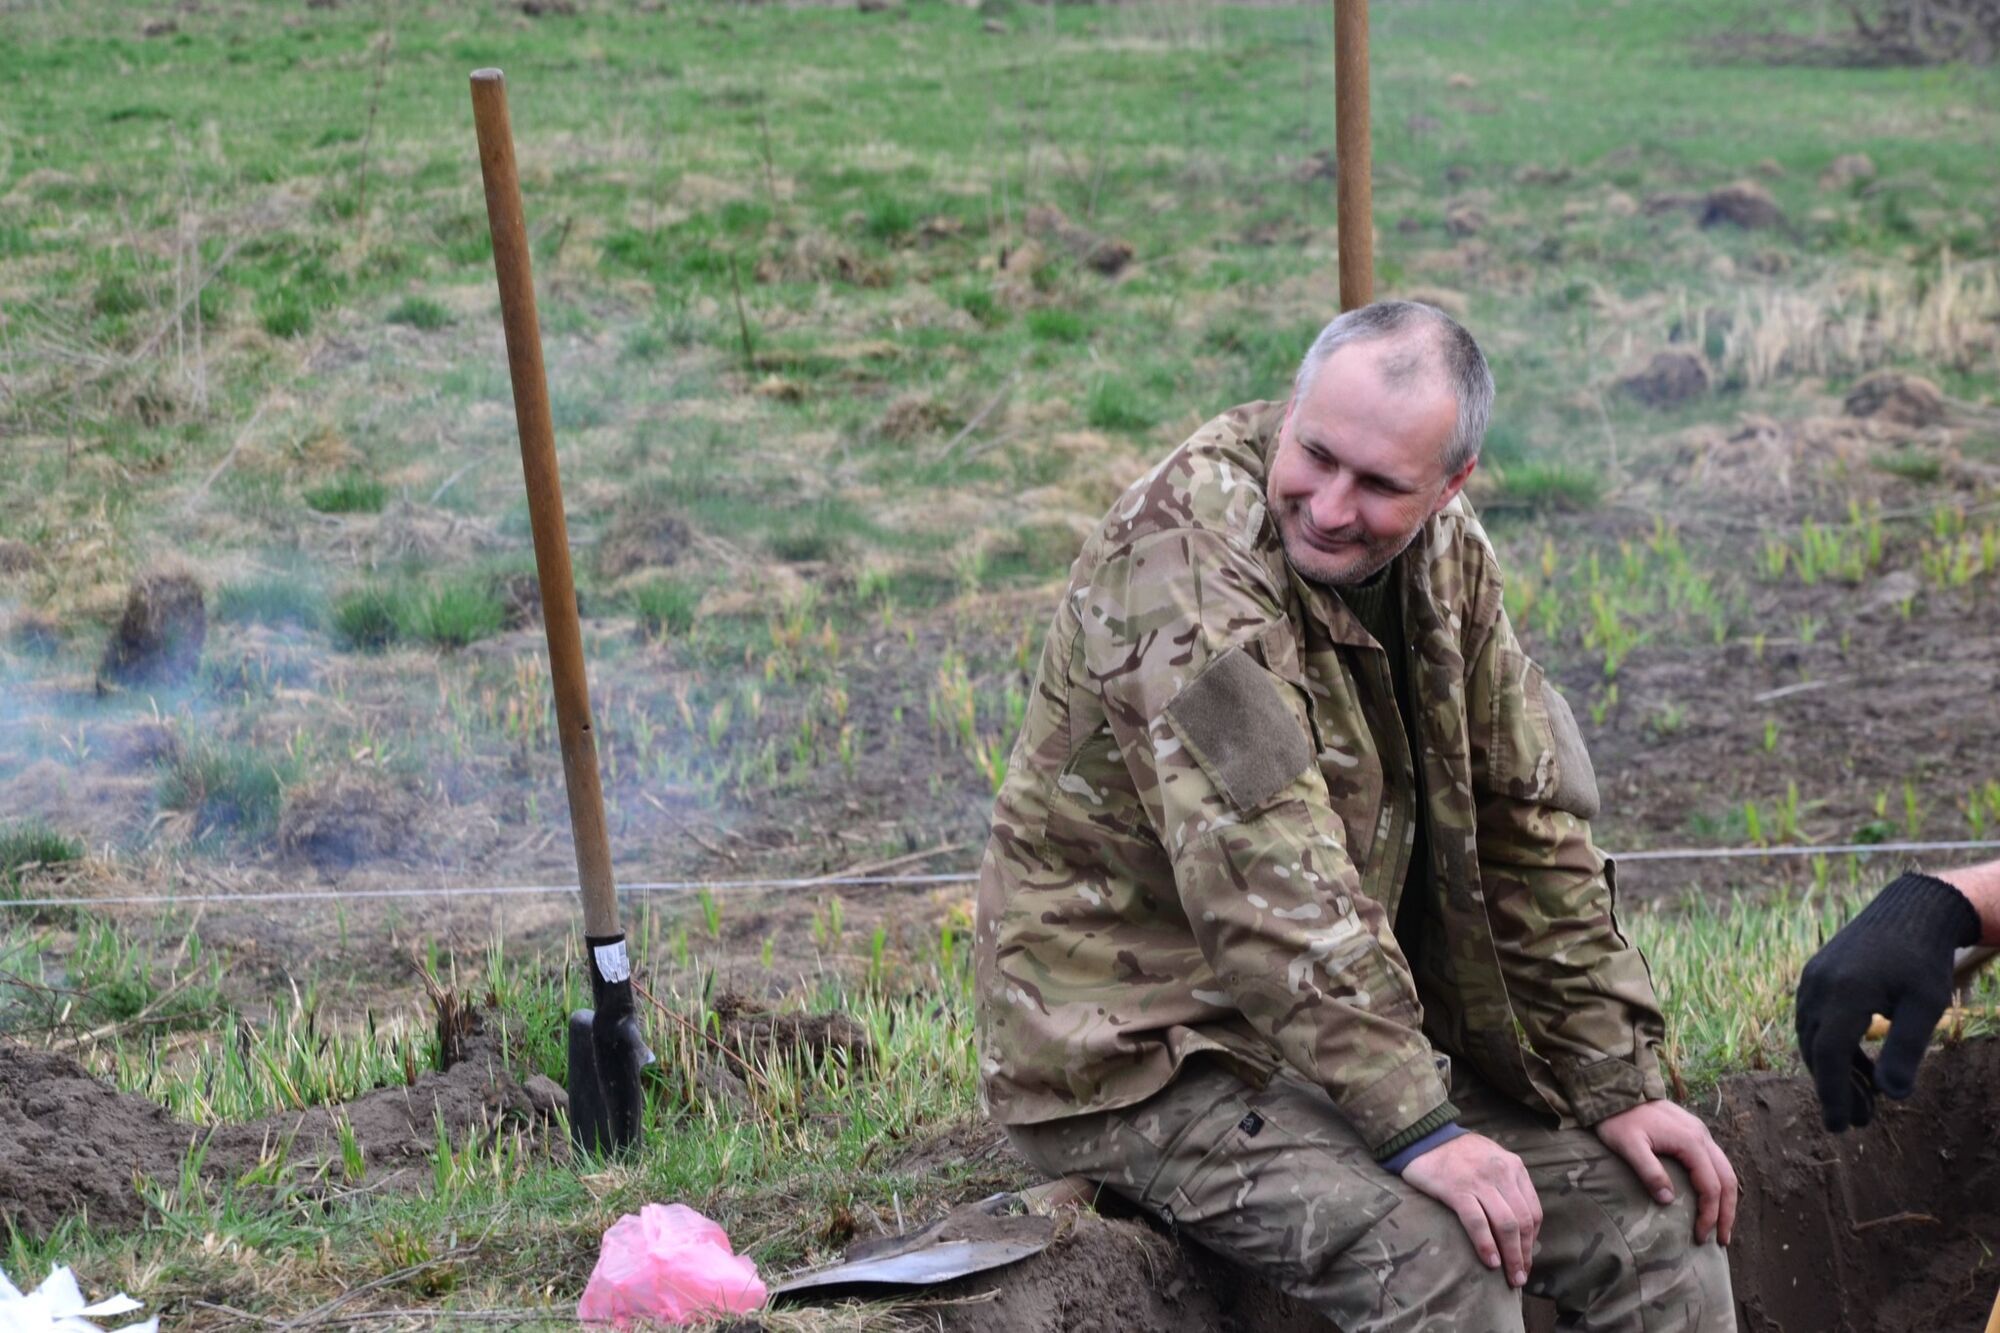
<point>1290,927</point>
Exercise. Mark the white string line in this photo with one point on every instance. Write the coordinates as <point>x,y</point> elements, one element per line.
<point>894,881</point>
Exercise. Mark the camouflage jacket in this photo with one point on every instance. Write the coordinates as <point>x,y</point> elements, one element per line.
<point>1201,840</point>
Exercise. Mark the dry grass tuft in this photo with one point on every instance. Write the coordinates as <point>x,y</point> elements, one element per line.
<point>1852,322</point>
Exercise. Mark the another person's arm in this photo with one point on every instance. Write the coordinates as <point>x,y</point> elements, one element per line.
<point>1895,958</point>
<point>1981,887</point>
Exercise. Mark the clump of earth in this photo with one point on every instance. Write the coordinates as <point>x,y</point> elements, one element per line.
<point>160,635</point>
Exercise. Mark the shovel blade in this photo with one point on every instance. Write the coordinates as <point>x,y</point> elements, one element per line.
<point>606,1100</point>
<point>606,1054</point>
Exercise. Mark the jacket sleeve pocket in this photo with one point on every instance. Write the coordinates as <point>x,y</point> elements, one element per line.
<point>1235,721</point>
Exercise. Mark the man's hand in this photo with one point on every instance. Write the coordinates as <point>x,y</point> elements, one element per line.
<point>1650,1130</point>
<point>1489,1189</point>
<point>1894,958</point>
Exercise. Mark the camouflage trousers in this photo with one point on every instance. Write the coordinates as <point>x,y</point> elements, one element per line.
<point>1275,1180</point>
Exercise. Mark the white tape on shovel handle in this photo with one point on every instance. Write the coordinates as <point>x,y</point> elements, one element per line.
<point>612,964</point>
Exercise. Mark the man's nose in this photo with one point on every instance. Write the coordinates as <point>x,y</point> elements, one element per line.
<point>1333,504</point>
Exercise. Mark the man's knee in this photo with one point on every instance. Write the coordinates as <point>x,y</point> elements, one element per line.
<point>1652,1275</point>
<point>1416,1269</point>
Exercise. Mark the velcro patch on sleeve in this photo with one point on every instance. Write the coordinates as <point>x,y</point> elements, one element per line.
<point>1235,721</point>
<point>1576,778</point>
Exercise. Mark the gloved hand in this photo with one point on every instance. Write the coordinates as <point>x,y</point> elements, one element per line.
<point>1895,959</point>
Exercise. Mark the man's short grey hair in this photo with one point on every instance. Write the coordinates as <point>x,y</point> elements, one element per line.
<point>1434,344</point>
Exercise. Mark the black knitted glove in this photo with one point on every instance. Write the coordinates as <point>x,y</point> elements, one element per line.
<point>1894,959</point>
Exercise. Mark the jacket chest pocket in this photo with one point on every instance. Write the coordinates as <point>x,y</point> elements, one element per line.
<point>1348,757</point>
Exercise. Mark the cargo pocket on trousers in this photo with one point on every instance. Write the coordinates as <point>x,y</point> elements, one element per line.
<point>1240,1181</point>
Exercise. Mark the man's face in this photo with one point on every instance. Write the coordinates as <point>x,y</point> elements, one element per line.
<point>1359,466</point>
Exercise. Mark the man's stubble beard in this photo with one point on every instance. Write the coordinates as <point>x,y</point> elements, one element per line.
<point>1372,561</point>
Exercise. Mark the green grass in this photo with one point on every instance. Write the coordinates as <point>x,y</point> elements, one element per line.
<point>350,493</point>
<point>225,791</point>
<point>1117,405</point>
<point>807,1139</point>
<point>33,843</point>
<point>1550,487</point>
<point>420,312</point>
<point>368,618</point>
<point>666,605</point>
<point>275,600</point>
<point>1920,468</point>
<point>1054,324</point>
<point>446,612</point>
<point>454,614</point>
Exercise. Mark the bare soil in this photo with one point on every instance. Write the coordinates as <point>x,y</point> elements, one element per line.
<point>70,1144</point>
<point>1107,1275</point>
<point>1891,1229</point>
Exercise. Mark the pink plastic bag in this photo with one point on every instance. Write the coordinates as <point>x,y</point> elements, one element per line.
<point>671,1264</point>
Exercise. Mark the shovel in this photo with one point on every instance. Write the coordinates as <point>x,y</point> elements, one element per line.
<point>606,1050</point>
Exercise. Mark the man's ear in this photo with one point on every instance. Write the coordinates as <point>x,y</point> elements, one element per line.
<point>1454,484</point>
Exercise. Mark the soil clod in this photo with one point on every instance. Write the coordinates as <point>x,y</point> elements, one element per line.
<point>642,536</point>
<point>16,557</point>
<point>1100,254</point>
<point>160,636</point>
<point>1846,170</point>
<point>1897,399</point>
<point>347,817</point>
<point>1743,204</point>
<point>1671,379</point>
<point>752,1031</point>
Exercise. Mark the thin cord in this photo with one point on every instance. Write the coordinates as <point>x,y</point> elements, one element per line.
<point>895,881</point>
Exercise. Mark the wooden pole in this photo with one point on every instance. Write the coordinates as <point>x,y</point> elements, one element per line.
<point>545,507</point>
<point>1351,143</point>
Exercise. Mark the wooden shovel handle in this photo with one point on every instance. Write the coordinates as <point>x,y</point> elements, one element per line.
<point>545,508</point>
<point>1354,157</point>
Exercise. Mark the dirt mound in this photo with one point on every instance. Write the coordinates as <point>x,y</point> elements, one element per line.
<point>914,416</point>
<point>1891,1229</point>
<point>1104,1275</point>
<point>347,817</point>
<point>1761,458</point>
<point>1898,399</point>
<point>521,596</point>
<point>160,636</point>
<point>642,536</point>
<point>753,1032</point>
<point>1671,379</point>
<point>16,557</point>
<point>1847,170</point>
<point>137,746</point>
<point>1100,254</point>
<point>1743,204</point>
<point>70,1144</point>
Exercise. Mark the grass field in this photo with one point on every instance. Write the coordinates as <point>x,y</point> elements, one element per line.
<point>855,324</point>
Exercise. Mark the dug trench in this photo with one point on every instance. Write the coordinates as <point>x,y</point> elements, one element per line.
<point>1891,1229</point>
